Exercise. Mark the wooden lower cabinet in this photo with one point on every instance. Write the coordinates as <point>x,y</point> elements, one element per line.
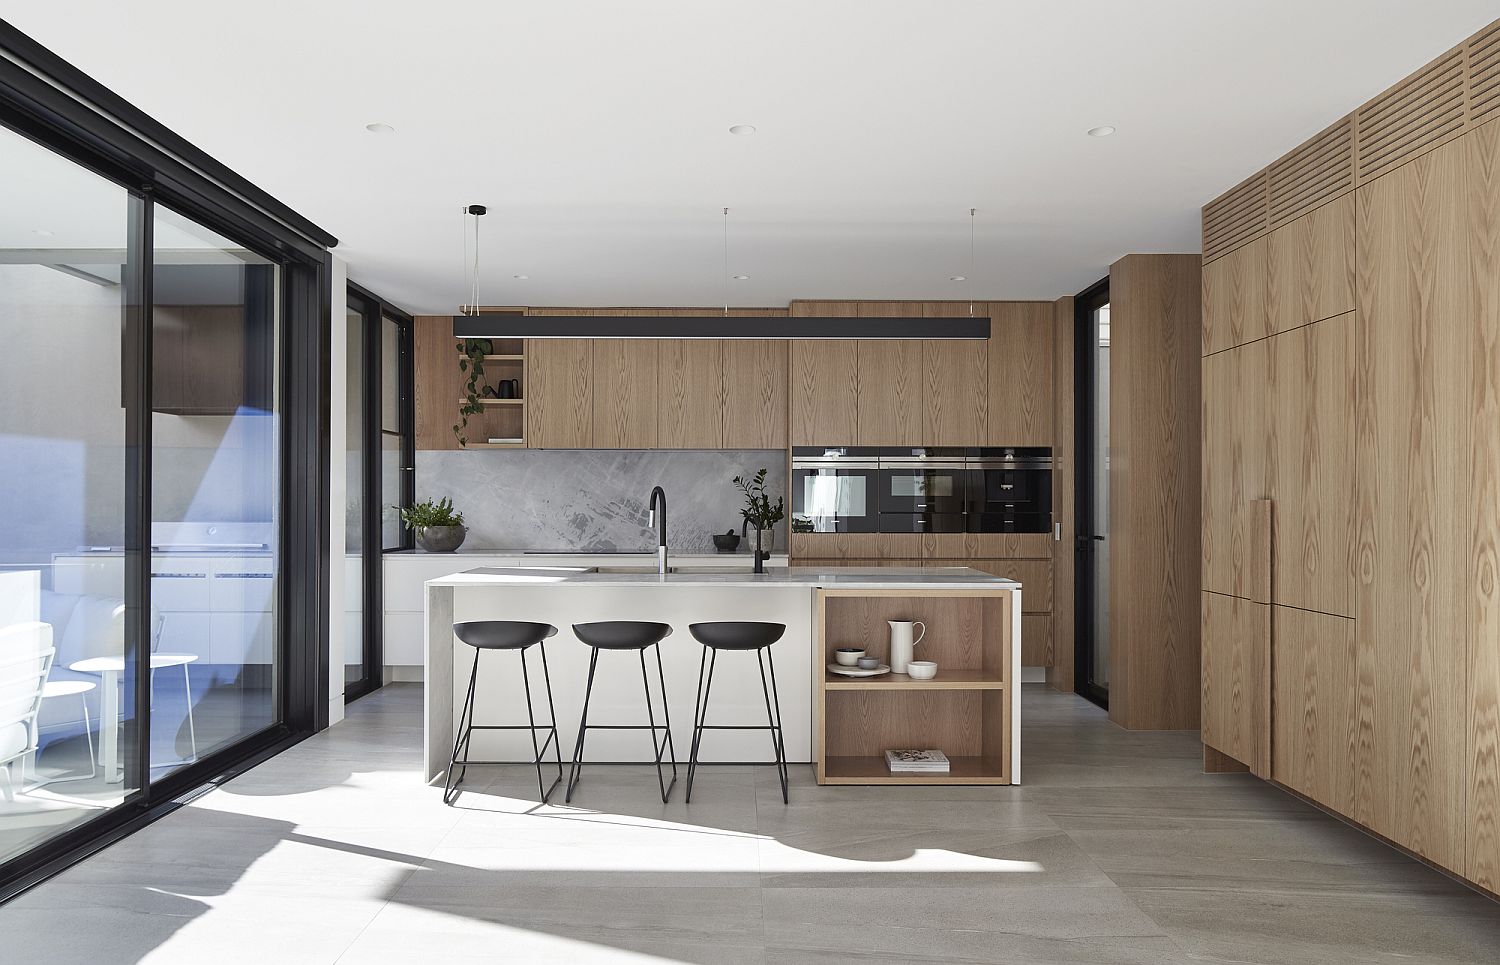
<point>1236,679</point>
<point>1315,736</point>
<point>855,546</point>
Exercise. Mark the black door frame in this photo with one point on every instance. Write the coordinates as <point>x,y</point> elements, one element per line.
<point>1085,539</point>
<point>52,103</point>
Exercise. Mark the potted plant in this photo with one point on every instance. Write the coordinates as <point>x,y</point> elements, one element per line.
<point>473,351</point>
<point>438,528</point>
<point>758,511</point>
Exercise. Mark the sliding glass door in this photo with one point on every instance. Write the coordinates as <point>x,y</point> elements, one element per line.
<point>1092,541</point>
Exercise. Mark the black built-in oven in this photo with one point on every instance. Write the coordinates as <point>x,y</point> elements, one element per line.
<point>835,489</point>
<point>923,490</point>
<point>1010,490</point>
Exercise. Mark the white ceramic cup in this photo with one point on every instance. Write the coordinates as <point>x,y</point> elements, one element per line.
<point>847,656</point>
<point>921,669</point>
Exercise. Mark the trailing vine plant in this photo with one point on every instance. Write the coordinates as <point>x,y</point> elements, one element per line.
<point>472,351</point>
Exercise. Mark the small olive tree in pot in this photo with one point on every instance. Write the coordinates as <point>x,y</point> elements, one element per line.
<point>759,512</point>
<point>438,528</point>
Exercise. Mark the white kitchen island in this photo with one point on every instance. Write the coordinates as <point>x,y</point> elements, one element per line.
<point>970,709</point>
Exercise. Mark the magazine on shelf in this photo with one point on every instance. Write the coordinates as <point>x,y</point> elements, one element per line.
<point>916,761</point>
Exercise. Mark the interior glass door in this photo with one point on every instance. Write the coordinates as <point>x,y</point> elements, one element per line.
<point>1092,542</point>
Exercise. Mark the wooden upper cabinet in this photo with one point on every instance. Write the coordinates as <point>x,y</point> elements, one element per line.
<point>689,391</point>
<point>1310,266</point>
<point>1019,360</point>
<point>439,384</point>
<point>955,406</point>
<point>755,393</point>
<point>559,393</point>
<point>1236,299</point>
<point>825,392</point>
<point>625,390</point>
<point>890,393</point>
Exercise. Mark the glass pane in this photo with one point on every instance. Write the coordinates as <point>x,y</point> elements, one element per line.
<point>390,375</point>
<point>390,490</point>
<point>63,632</point>
<point>214,485</point>
<point>354,522</point>
<point>1100,669</point>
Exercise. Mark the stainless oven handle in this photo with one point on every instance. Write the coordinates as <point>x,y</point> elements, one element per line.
<point>921,464</point>
<point>1010,464</point>
<point>832,464</point>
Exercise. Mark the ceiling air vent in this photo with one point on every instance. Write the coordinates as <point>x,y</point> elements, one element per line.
<point>1318,171</point>
<point>1484,75</point>
<point>1234,218</point>
<point>1414,116</point>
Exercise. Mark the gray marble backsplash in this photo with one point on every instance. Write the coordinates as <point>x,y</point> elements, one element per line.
<point>595,500</point>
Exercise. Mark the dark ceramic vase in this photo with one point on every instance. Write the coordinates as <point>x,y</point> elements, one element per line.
<point>441,539</point>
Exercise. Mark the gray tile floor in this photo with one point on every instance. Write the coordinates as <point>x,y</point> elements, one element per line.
<point>1117,850</point>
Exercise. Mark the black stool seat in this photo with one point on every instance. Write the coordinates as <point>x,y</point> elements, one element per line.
<point>745,636</point>
<point>621,634</point>
<point>737,635</point>
<point>503,634</point>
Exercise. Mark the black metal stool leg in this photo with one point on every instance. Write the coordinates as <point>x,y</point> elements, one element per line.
<point>465,728</point>
<point>536,751</point>
<point>713,661</point>
<point>552,716</point>
<point>666,711</point>
<point>777,745</point>
<point>657,749</point>
<point>583,726</point>
<point>697,720</point>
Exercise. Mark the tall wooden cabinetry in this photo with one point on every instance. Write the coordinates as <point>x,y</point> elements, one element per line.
<point>1351,377</point>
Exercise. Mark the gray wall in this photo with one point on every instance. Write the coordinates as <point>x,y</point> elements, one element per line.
<point>595,499</point>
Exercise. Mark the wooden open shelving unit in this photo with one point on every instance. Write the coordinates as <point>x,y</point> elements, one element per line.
<point>500,418</point>
<point>967,711</point>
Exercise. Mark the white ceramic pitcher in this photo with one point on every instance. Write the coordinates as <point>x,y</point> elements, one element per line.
<point>903,644</point>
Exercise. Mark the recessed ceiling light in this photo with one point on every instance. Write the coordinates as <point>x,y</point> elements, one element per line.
<point>378,128</point>
<point>742,129</point>
<point>1104,131</point>
<point>958,278</point>
<point>41,231</point>
<point>741,277</point>
<point>520,277</point>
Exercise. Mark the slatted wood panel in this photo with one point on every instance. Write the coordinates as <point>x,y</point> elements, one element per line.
<point>1310,266</point>
<point>1235,647</point>
<point>1236,298</point>
<point>1060,673</point>
<point>1484,75</point>
<point>1235,461</point>
<point>755,393</point>
<point>889,409</point>
<point>1235,217</point>
<point>1155,519</point>
<point>825,392</point>
<point>1414,116</point>
<point>437,382</point>
<point>1020,374</point>
<point>1311,465</point>
<point>625,374</point>
<point>1317,171</point>
<point>1482,846</point>
<point>559,393</point>
<point>689,394</point>
<point>1413,379</point>
<point>1316,726</point>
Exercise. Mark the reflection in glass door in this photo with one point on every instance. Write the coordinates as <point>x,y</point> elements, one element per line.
<point>1092,543</point>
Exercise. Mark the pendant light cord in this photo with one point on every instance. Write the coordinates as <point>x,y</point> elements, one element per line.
<point>726,263</point>
<point>463,309</point>
<point>971,262</point>
<point>474,294</point>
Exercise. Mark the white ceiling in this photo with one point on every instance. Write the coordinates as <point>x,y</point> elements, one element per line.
<point>597,131</point>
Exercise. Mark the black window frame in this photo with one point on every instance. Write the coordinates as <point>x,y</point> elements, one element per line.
<point>52,103</point>
<point>1085,384</point>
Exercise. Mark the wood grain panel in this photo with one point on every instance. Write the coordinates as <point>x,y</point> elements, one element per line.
<point>1236,648</point>
<point>1413,384</point>
<point>868,723</point>
<point>1155,522</point>
<point>1482,844</point>
<point>954,392</point>
<point>825,392</point>
<point>559,393</point>
<point>1036,639</point>
<point>1311,468</point>
<point>689,394</point>
<point>857,546</point>
<point>987,546</point>
<point>955,627</point>
<point>1035,577</point>
<point>1235,463</point>
<point>889,409</point>
<point>1019,384</point>
<point>1310,264</point>
<point>1060,674</point>
<point>755,393</point>
<point>1315,723</point>
<point>436,381</point>
<point>625,373</point>
<point>1236,298</point>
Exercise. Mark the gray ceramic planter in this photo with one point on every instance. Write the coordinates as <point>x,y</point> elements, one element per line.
<point>441,539</point>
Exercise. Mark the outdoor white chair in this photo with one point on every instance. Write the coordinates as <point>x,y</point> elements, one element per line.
<point>25,658</point>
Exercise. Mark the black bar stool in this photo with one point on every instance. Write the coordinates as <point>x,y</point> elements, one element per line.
<point>740,635</point>
<point>627,635</point>
<point>504,635</point>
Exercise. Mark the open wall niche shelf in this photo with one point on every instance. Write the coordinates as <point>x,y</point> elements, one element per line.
<point>504,360</point>
<point>966,711</point>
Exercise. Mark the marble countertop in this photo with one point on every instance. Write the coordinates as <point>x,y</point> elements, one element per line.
<point>524,558</point>
<point>840,577</point>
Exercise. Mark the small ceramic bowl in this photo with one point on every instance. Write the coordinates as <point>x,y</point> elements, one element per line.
<point>921,670</point>
<point>869,663</point>
<point>848,656</point>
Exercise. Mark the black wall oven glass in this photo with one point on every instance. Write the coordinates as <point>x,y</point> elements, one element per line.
<point>923,491</point>
<point>835,490</point>
<point>1010,490</point>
